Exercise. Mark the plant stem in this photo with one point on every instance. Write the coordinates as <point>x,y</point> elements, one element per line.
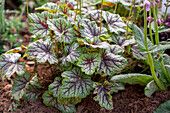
<point>27,10</point>
<point>76,10</point>
<point>157,43</point>
<point>65,1</point>
<point>101,18</point>
<point>149,55</point>
<point>150,29</point>
<point>80,6</point>
<point>115,7</point>
<point>128,20</point>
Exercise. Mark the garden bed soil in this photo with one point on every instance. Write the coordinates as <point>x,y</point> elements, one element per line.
<point>130,100</point>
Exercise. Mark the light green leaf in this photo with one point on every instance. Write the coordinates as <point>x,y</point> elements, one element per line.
<point>134,78</point>
<point>150,88</point>
<point>163,108</point>
<point>51,7</point>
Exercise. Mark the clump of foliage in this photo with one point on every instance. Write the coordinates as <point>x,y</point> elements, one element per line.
<point>87,50</point>
<point>10,28</point>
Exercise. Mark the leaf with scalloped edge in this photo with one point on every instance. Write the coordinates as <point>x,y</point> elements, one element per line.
<point>32,90</point>
<point>159,48</point>
<point>133,78</point>
<point>91,30</point>
<point>72,52</point>
<point>66,101</point>
<point>103,94</point>
<point>38,23</point>
<point>110,63</point>
<point>95,15</point>
<point>115,49</point>
<point>75,84</point>
<point>49,100</point>
<point>89,62</point>
<point>96,43</point>
<point>9,65</point>
<point>63,29</point>
<point>114,21</point>
<point>42,51</point>
<point>51,7</point>
<point>55,87</point>
<point>18,88</point>
<point>122,41</point>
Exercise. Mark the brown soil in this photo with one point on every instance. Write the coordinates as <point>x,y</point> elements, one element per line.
<point>130,100</point>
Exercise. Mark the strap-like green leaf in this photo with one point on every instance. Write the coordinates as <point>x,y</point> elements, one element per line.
<point>42,50</point>
<point>134,78</point>
<point>158,48</point>
<point>75,84</point>
<point>139,37</point>
<point>110,63</point>
<point>62,28</point>
<point>150,88</point>
<point>89,62</point>
<point>103,94</point>
<point>115,22</point>
<point>9,65</point>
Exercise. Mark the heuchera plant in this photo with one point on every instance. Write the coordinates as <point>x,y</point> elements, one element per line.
<point>87,56</point>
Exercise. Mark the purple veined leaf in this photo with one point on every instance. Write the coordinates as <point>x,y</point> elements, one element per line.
<point>42,51</point>
<point>39,24</point>
<point>89,62</point>
<point>103,94</point>
<point>72,52</point>
<point>32,89</point>
<point>76,84</point>
<point>51,7</point>
<point>49,100</point>
<point>55,87</point>
<point>91,30</point>
<point>110,63</point>
<point>9,65</point>
<point>96,43</point>
<point>62,29</point>
<point>94,15</point>
<point>14,105</point>
<point>115,49</point>
<point>122,41</point>
<point>136,52</point>
<point>18,88</point>
<point>115,22</point>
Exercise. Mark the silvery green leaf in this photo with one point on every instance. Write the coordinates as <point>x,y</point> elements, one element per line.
<point>91,30</point>
<point>150,88</point>
<point>55,87</point>
<point>9,65</point>
<point>133,78</point>
<point>39,24</point>
<point>94,15</point>
<point>103,94</point>
<point>139,37</point>
<point>96,43</point>
<point>110,63</point>
<point>75,84</point>
<point>114,22</point>
<point>32,92</point>
<point>115,49</point>
<point>51,7</point>
<point>163,108</point>
<point>63,29</point>
<point>42,51</point>
<point>122,41</point>
<point>49,100</point>
<point>129,2</point>
<point>136,52</point>
<point>19,85</point>
<point>89,62</point>
<point>72,53</point>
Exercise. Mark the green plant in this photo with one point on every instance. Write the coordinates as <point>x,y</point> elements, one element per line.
<point>85,52</point>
